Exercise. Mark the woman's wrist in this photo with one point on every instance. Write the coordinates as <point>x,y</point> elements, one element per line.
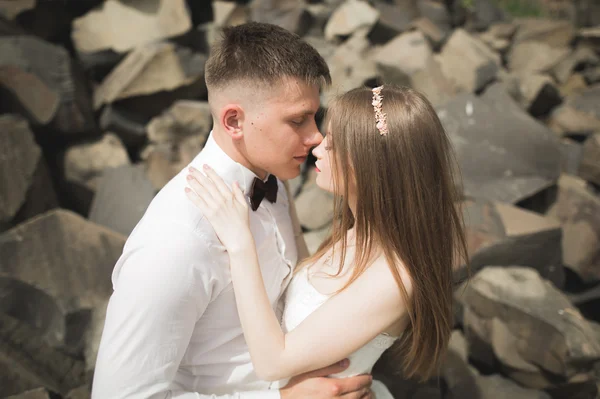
<point>244,247</point>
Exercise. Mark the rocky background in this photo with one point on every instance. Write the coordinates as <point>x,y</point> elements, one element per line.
<point>102,102</point>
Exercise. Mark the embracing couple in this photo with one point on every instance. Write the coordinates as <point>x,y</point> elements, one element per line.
<point>215,295</point>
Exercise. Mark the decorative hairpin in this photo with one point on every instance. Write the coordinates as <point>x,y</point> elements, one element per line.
<point>380,116</point>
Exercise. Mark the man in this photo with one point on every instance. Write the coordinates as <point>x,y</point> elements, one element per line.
<point>172,329</point>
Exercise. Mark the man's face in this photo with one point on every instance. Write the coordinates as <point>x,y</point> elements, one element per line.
<point>280,129</point>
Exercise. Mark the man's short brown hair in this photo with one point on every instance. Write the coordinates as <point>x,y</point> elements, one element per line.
<point>264,53</point>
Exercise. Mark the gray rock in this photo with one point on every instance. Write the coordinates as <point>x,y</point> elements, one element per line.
<point>395,18</point>
<point>504,153</point>
<point>504,235</point>
<point>539,94</point>
<point>39,393</point>
<point>436,12</point>
<point>555,33</point>
<point>581,57</point>
<point>28,359</point>
<point>289,14</point>
<point>20,156</point>
<point>150,69</point>
<point>351,65</point>
<point>568,120</point>
<point>532,56</point>
<point>227,13</point>
<point>497,387</point>
<point>182,120</point>
<point>42,80</point>
<point>485,13</point>
<point>108,208</point>
<point>25,185</point>
<point>590,161</point>
<point>408,61</point>
<point>572,153</point>
<point>11,8</point>
<point>578,209</point>
<point>468,62</point>
<point>64,259</point>
<point>85,162</point>
<point>592,75</point>
<point>431,31</point>
<point>545,333</point>
<point>123,26</point>
<point>350,17</point>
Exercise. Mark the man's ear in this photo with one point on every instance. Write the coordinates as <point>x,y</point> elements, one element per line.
<point>232,120</point>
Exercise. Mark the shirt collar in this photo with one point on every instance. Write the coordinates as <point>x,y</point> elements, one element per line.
<point>227,168</point>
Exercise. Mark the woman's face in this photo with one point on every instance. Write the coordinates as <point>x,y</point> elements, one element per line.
<point>324,166</point>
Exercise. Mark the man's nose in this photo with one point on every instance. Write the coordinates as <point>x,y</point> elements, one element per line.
<point>313,138</point>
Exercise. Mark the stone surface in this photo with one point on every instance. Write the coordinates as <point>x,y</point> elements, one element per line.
<point>67,261</point>
<point>122,26</point>
<point>555,33</point>
<point>582,56</point>
<point>578,209</point>
<point>351,65</point>
<point>19,157</point>
<point>84,163</point>
<point>28,359</point>
<point>572,153</point>
<point>11,8</point>
<point>590,161</point>
<point>351,16</point>
<point>568,120</point>
<point>531,56</point>
<point>41,79</point>
<point>536,328</point>
<point>431,31</point>
<point>504,153</point>
<point>539,94</point>
<point>504,235</point>
<point>183,119</point>
<point>150,69</point>
<point>130,128</point>
<point>39,393</point>
<point>108,208</point>
<point>289,14</point>
<point>228,13</point>
<point>408,61</point>
<point>468,62</point>
<point>394,19</point>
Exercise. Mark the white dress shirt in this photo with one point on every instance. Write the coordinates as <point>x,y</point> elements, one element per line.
<point>172,328</point>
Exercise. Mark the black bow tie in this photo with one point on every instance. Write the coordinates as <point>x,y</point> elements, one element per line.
<point>261,189</point>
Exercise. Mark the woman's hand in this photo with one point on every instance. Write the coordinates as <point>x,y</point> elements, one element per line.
<point>226,209</point>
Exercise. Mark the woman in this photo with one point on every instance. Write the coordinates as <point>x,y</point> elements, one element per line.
<point>385,275</point>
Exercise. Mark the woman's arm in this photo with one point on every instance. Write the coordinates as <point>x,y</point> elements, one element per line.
<point>342,325</point>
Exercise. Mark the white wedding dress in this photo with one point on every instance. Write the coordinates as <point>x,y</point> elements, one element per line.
<point>301,299</point>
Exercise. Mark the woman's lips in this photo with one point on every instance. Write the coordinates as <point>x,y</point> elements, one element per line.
<point>317,169</point>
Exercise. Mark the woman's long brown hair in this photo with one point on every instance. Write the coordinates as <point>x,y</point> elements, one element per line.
<point>406,210</point>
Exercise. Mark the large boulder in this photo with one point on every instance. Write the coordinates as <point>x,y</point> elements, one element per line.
<point>504,235</point>
<point>504,154</point>
<point>289,14</point>
<point>578,209</point>
<point>25,185</point>
<point>468,62</point>
<point>408,60</point>
<point>590,161</point>
<point>150,69</point>
<point>124,25</point>
<point>351,16</point>
<point>108,208</point>
<point>529,326</point>
<point>41,81</point>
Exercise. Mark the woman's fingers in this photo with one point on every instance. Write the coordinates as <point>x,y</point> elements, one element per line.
<point>196,199</point>
<point>238,194</point>
<point>217,181</point>
<point>201,186</point>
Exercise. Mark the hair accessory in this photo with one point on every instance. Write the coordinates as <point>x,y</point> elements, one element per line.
<point>380,116</point>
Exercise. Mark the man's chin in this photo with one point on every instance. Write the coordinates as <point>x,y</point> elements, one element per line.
<point>289,173</point>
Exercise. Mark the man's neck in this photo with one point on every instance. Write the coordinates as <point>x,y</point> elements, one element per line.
<point>224,142</point>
